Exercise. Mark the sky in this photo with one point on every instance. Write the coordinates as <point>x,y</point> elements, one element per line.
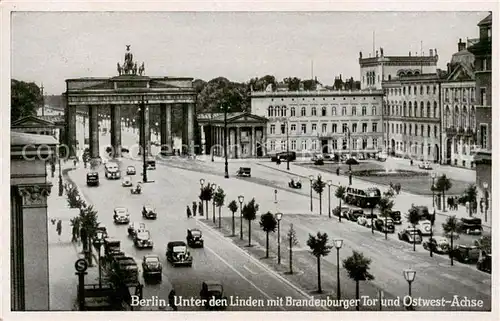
<point>49,47</point>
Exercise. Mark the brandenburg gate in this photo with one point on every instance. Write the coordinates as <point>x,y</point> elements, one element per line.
<point>131,88</point>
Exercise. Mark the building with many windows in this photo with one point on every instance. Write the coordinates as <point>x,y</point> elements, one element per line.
<point>458,111</point>
<point>325,121</point>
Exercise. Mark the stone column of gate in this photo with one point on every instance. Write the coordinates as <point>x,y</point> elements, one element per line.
<point>166,128</point>
<point>71,129</point>
<point>116,131</point>
<point>147,129</point>
<point>184,131</point>
<point>94,131</point>
<point>190,128</point>
<point>253,152</point>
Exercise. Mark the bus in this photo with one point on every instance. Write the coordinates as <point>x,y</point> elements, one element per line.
<point>363,198</point>
<point>111,171</point>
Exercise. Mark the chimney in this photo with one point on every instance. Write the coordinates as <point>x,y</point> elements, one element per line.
<point>461,45</point>
<point>430,52</point>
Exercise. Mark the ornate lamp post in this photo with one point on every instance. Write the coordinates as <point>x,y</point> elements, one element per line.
<point>214,188</point>
<point>278,218</point>
<point>225,108</point>
<point>410,277</point>
<point>329,183</point>
<point>133,125</point>
<point>486,201</point>
<point>99,237</point>
<point>275,196</point>
<point>128,124</point>
<point>338,245</point>
<point>433,176</point>
<point>156,130</point>
<point>311,178</point>
<point>143,109</point>
<point>241,198</point>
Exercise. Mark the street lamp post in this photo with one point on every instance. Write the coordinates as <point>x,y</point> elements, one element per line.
<point>275,196</point>
<point>214,187</point>
<point>202,183</point>
<point>338,245</point>
<point>241,198</point>
<point>432,232</point>
<point>278,218</point>
<point>311,178</point>
<point>156,130</point>
<point>410,277</point>
<point>225,108</point>
<point>433,176</point>
<point>143,110</point>
<point>128,124</point>
<point>348,133</point>
<point>99,236</point>
<point>486,201</point>
<point>133,125</point>
<point>329,183</point>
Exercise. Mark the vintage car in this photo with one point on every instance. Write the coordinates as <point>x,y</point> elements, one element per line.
<point>142,239</point>
<point>353,215</point>
<point>425,165</point>
<point>194,238</point>
<point>425,227</point>
<point>178,254</point>
<point>134,227</point>
<point>295,183</point>
<point>342,211</point>
<point>384,225</point>
<point>366,219</point>
<point>151,266</point>
<point>472,226</point>
<point>438,245</point>
<point>213,289</point>
<point>127,181</point>
<point>410,235</point>
<point>244,172</point>
<point>149,212</point>
<point>130,170</point>
<point>396,217</point>
<point>291,156</point>
<point>128,268</point>
<point>484,262</point>
<point>93,179</point>
<point>121,215</point>
<point>466,253</point>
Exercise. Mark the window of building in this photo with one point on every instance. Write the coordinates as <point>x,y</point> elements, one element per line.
<point>415,90</point>
<point>397,129</point>
<point>353,109</point>
<point>344,111</point>
<point>272,130</point>
<point>434,89</point>
<point>292,111</point>
<point>270,111</point>
<point>334,144</point>
<point>374,127</point>
<point>364,127</point>
<point>428,109</point>
<point>313,111</point>
<point>293,127</point>
<point>354,128</point>
<point>283,128</point>
<point>404,90</point>
<point>364,143</point>
<point>344,127</point>
<point>392,128</point>
<point>416,130</point>
<point>464,95</point>
<point>422,130</point>
<point>409,129</point>
<point>273,145</point>
<point>428,90</point>
<point>303,111</point>
<point>283,145</point>
<point>446,95</point>
<point>456,121</point>
<point>435,112</point>
<point>363,111</point>
<point>392,110</point>
<point>472,95</point>
<point>323,128</point>
<point>334,128</point>
<point>304,144</point>
<point>313,147</point>
<point>409,108</point>
<point>375,143</point>
<point>435,131</point>
<point>283,111</point>
<point>344,143</point>
<point>293,144</point>
<point>483,97</point>
<point>323,111</point>
<point>303,128</point>
<point>277,111</point>
<point>483,135</point>
<point>428,131</point>
<point>374,110</point>
<point>314,127</point>
<point>334,111</point>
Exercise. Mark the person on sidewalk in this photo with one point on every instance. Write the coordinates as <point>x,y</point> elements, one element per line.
<point>200,207</point>
<point>188,211</point>
<point>73,234</point>
<point>171,300</point>
<point>59,229</point>
<point>194,208</point>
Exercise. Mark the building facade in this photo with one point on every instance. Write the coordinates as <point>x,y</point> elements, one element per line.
<point>481,49</point>
<point>324,121</point>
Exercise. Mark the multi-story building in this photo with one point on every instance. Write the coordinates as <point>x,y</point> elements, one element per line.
<point>325,121</point>
<point>481,49</point>
<point>458,119</point>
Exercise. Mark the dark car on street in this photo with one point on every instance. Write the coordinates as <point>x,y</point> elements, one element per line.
<point>93,179</point>
<point>178,254</point>
<point>213,290</point>
<point>484,262</point>
<point>283,156</point>
<point>384,224</point>
<point>472,226</point>
<point>438,245</point>
<point>194,238</point>
<point>149,212</point>
<point>151,266</point>
<point>121,216</point>
<point>410,235</point>
<point>130,170</point>
<point>142,239</point>
<point>466,253</point>
<point>134,227</point>
<point>353,214</point>
<point>396,217</point>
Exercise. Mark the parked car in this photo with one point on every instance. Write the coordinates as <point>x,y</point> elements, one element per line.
<point>353,215</point>
<point>213,289</point>
<point>466,253</point>
<point>396,217</point>
<point>484,262</point>
<point>425,165</point>
<point>151,266</point>
<point>93,179</point>
<point>127,181</point>
<point>125,150</point>
<point>149,212</point>
<point>472,226</point>
<point>121,215</point>
<point>284,156</point>
<point>194,238</point>
<point>438,245</point>
<point>342,211</point>
<point>410,235</point>
<point>244,172</point>
<point>130,170</point>
<point>366,219</point>
<point>384,224</point>
<point>425,227</point>
<point>134,227</point>
<point>178,254</point>
<point>142,239</point>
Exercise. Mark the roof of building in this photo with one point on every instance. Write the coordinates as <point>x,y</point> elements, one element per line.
<point>22,139</point>
<point>30,121</point>
<point>231,117</point>
<point>485,21</point>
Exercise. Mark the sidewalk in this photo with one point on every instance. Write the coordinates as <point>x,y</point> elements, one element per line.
<point>402,201</point>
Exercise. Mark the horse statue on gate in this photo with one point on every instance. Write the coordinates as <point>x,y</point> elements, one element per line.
<point>141,69</point>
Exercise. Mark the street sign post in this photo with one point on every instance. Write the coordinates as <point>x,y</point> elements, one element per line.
<point>81,266</point>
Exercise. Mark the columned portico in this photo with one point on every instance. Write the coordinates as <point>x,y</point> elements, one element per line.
<point>166,127</point>
<point>116,133</point>
<point>94,131</point>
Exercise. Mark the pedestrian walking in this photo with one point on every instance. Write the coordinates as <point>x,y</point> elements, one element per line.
<point>171,300</point>
<point>194,208</point>
<point>59,229</point>
<point>200,207</point>
<point>188,211</point>
<point>73,234</point>
<point>481,205</point>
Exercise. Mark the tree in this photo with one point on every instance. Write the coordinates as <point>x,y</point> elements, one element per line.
<point>451,230</point>
<point>357,267</point>
<point>319,247</point>
<point>443,184</point>
<point>340,194</point>
<point>470,195</point>
<point>413,217</point>
<point>292,241</point>
<point>206,195</point>
<point>292,83</point>
<point>116,278</point>
<point>73,198</point>
<point>233,207</point>
<point>25,99</point>
<point>319,187</point>
<point>268,223</point>
<point>249,212</point>
<point>309,84</point>
<point>385,206</point>
<point>88,221</point>
<point>219,201</point>
<point>221,89</point>
<point>484,243</point>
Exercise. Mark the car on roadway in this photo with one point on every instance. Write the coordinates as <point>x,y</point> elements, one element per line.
<point>212,292</point>
<point>366,219</point>
<point>93,179</point>
<point>484,262</point>
<point>425,227</point>
<point>121,215</point>
<point>439,245</point>
<point>194,238</point>
<point>142,239</point>
<point>151,266</point>
<point>466,253</point>
<point>384,225</point>
<point>149,212</point>
<point>178,254</point>
<point>342,211</point>
<point>127,181</point>
<point>471,225</point>
<point>396,217</point>
<point>130,170</point>
<point>410,235</point>
<point>425,165</point>
<point>354,214</point>
<point>134,227</point>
